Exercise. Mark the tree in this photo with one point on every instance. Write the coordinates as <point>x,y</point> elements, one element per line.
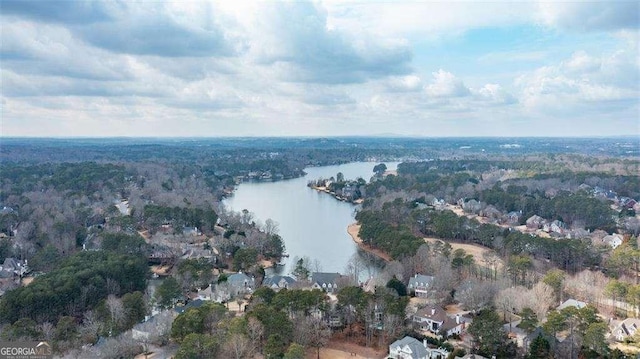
<point>555,323</point>
<point>594,338</point>
<point>135,308</point>
<point>315,332</point>
<point>167,292</point>
<point>555,279</point>
<point>237,346</point>
<point>301,270</point>
<point>274,348</point>
<point>489,336</point>
<point>398,286</point>
<point>529,320</point>
<point>198,346</point>
<point>540,348</point>
<point>339,177</point>
<point>379,169</point>
<point>66,330</point>
<point>295,351</point>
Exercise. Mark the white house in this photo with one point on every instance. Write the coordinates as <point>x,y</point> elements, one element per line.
<point>626,328</point>
<point>420,284</point>
<point>436,320</point>
<point>327,282</point>
<point>277,282</point>
<point>613,240</point>
<point>572,303</point>
<point>412,348</point>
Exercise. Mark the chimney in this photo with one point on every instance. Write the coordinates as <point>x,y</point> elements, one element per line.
<point>424,342</point>
<point>457,318</point>
<point>433,311</point>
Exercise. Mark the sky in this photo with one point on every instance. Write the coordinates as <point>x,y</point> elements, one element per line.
<point>78,68</point>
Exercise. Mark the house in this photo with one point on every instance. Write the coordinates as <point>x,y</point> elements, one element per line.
<point>436,320</point>
<point>192,304</point>
<point>327,282</point>
<point>411,348</point>
<point>513,217</point>
<point>420,284</point>
<point>277,282</point>
<point>191,231</point>
<point>15,266</point>
<point>555,227</point>
<point>535,222</point>
<point>626,328</point>
<point>240,283</point>
<point>572,303</point>
<point>627,202</point>
<point>613,240</point>
<point>206,294</point>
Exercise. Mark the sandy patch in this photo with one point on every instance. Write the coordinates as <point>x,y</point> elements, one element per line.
<point>353,230</point>
<point>344,350</point>
<point>27,280</point>
<point>474,249</point>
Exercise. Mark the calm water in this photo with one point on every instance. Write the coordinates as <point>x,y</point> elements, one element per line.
<point>312,224</point>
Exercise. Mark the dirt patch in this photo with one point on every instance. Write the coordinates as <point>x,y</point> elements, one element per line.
<point>474,249</point>
<point>353,230</point>
<point>346,350</point>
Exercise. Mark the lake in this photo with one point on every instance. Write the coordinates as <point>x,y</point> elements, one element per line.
<point>311,223</point>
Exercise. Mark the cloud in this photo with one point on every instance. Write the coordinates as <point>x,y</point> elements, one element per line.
<point>294,36</point>
<point>407,83</point>
<point>590,15</point>
<point>68,12</point>
<point>446,85</point>
<point>157,29</point>
<point>51,50</point>
<point>583,84</point>
<point>495,94</point>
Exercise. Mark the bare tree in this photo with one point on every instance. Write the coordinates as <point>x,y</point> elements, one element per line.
<point>313,332</point>
<point>475,295</point>
<point>116,311</point>
<point>255,332</point>
<point>237,346</point>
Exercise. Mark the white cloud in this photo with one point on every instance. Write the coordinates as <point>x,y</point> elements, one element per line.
<point>446,85</point>
<point>590,15</point>
<point>405,83</point>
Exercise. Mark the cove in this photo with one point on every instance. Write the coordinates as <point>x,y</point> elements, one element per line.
<point>311,223</point>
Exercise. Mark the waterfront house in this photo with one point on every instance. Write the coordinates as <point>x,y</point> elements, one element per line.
<point>240,283</point>
<point>420,284</point>
<point>327,282</point>
<point>277,282</point>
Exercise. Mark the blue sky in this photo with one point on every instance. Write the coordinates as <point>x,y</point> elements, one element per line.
<point>199,68</point>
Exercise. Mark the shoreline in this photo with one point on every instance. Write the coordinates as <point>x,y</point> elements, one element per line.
<point>353,229</point>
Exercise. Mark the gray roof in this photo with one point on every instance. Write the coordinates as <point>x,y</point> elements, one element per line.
<point>418,350</point>
<point>275,280</point>
<point>11,264</point>
<point>327,278</point>
<point>420,280</point>
<point>239,278</point>
<point>572,303</point>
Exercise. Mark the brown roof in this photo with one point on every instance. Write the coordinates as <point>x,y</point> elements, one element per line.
<point>438,315</point>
